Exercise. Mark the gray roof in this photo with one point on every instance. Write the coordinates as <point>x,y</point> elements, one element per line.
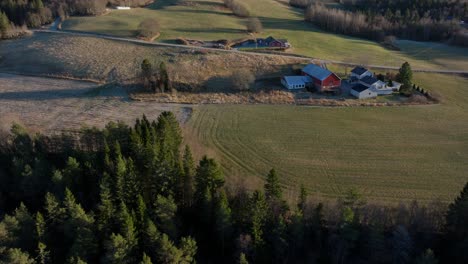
<point>369,80</point>
<point>359,88</point>
<point>297,80</point>
<point>317,71</point>
<point>359,70</point>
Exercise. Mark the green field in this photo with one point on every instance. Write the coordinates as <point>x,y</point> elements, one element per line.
<point>390,154</point>
<point>210,20</point>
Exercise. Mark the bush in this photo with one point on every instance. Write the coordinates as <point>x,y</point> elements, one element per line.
<point>239,9</point>
<point>148,28</point>
<point>254,25</point>
<point>242,79</point>
<point>300,3</point>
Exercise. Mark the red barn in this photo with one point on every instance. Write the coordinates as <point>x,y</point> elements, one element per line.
<point>323,80</point>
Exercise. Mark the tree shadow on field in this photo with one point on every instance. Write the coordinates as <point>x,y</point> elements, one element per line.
<point>212,30</point>
<point>103,91</point>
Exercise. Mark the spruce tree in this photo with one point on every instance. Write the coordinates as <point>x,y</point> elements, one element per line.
<point>209,177</point>
<point>272,186</point>
<point>258,212</point>
<point>188,177</point>
<point>146,259</point>
<point>223,220</point>
<point>301,205</point>
<point>4,24</point>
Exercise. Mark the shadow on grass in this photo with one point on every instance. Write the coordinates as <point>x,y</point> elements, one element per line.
<point>212,30</point>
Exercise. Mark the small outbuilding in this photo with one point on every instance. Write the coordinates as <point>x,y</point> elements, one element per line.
<point>296,82</point>
<point>360,72</point>
<point>362,92</point>
<point>122,7</point>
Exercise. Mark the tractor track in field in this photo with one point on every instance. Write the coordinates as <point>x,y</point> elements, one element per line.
<point>291,56</point>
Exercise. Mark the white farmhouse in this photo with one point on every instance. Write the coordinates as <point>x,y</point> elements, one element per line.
<point>296,82</point>
<point>362,92</point>
<point>360,72</point>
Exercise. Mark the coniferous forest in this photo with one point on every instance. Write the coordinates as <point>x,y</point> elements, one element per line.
<point>137,195</point>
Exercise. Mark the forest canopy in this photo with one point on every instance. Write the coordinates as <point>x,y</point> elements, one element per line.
<point>137,195</point>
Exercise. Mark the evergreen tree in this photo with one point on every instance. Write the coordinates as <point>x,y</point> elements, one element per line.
<point>258,212</point>
<point>126,225</point>
<point>223,221</point>
<point>164,214</point>
<point>273,187</point>
<point>78,229</point>
<point>243,259</point>
<point>209,177</point>
<point>117,250</point>
<point>456,227</point>
<point>146,259</point>
<point>301,205</point>
<point>14,256</point>
<point>405,76</point>
<point>4,25</point>
<point>120,170</point>
<point>188,177</point>
<point>105,209</point>
<point>165,82</point>
<point>131,184</point>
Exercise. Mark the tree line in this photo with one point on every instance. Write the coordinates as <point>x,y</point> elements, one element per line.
<point>136,195</point>
<point>377,21</point>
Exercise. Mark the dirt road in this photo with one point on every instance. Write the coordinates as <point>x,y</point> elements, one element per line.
<point>52,105</point>
<point>308,59</point>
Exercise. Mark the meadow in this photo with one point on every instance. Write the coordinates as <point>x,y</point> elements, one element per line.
<point>389,154</point>
<point>210,20</point>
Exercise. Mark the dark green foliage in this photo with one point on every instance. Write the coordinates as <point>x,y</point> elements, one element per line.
<point>405,77</point>
<point>272,186</point>
<point>127,195</point>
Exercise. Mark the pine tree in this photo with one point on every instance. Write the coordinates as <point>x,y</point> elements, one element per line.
<point>272,186</point>
<point>146,259</point>
<point>258,212</point>
<point>301,205</point>
<point>405,76</point>
<point>165,82</point>
<point>165,210</point>
<point>4,25</point>
<point>188,175</point>
<point>126,226</point>
<point>105,209</point>
<point>457,215</point>
<point>78,229</point>
<point>223,221</point>
<point>120,170</point>
<point>14,256</point>
<point>117,250</point>
<point>209,177</point>
<point>243,259</point>
<point>131,184</point>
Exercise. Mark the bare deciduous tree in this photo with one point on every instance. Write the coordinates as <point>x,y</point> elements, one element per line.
<point>254,25</point>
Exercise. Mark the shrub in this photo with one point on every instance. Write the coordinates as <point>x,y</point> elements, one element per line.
<point>239,9</point>
<point>300,3</point>
<point>242,79</point>
<point>254,25</point>
<point>148,28</point>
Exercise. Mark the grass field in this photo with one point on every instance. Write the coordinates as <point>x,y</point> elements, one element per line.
<point>209,20</point>
<point>389,154</point>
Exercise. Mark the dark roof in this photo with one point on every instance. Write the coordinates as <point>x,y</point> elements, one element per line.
<point>369,80</point>
<point>359,88</point>
<point>316,72</point>
<point>359,70</point>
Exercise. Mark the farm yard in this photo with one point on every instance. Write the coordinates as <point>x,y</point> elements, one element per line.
<point>210,20</point>
<point>388,153</point>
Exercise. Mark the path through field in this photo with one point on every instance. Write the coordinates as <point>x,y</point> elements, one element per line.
<point>51,105</point>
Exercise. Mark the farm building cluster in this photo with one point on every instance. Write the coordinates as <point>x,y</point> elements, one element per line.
<point>263,43</point>
<point>362,81</point>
